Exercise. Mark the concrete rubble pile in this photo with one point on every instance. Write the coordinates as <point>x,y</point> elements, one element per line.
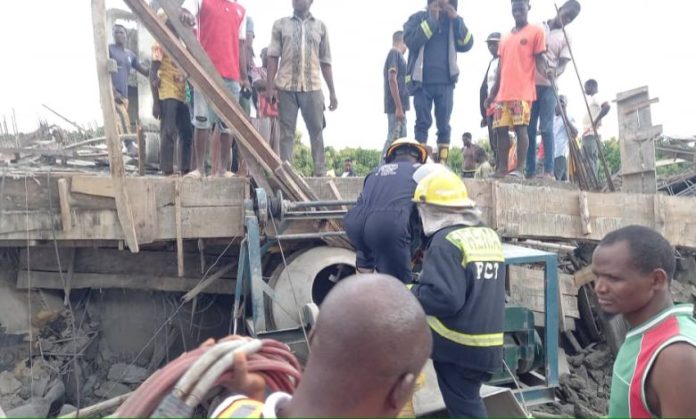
<point>43,382</point>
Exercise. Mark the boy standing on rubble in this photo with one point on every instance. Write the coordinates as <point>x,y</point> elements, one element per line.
<point>125,61</point>
<point>168,84</point>
<point>222,32</point>
<point>396,100</point>
<point>521,53</point>
<point>655,370</point>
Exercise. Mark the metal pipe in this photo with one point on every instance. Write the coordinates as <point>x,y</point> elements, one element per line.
<point>600,149</point>
<point>312,204</point>
<point>314,215</point>
<point>309,236</point>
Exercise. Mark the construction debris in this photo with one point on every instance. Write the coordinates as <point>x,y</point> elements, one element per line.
<point>585,391</point>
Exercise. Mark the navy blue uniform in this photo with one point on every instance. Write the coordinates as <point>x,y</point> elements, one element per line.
<point>380,225</point>
<point>432,69</point>
<point>462,290</point>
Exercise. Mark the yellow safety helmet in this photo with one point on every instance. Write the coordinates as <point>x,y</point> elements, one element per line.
<point>404,143</point>
<point>443,189</point>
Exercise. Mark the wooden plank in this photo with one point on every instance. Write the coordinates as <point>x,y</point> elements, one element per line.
<point>336,193</point>
<point>585,214</point>
<point>141,150</point>
<point>116,167</point>
<point>584,276</point>
<point>179,230</point>
<point>640,105</point>
<point>201,287</point>
<point>51,280</point>
<point>643,134</point>
<point>534,279</point>
<point>144,209</point>
<point>65,210</point>
<point>212,222</point>
<point>93,185</point>
<point>527,288</point>
<point>213,192</point>
<point>69,276</point>
<point>114,262</point>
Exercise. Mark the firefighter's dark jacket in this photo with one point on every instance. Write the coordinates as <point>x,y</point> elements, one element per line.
<point>462,290</point>
<point>417,32</point>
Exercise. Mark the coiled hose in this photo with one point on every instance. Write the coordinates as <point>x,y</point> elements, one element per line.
<point>176,389</point>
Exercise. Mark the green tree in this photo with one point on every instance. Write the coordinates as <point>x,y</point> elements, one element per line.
<point>302,157</point>
<point>612,153</point>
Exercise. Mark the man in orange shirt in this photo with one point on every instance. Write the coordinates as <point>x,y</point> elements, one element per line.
<point>521,51</point>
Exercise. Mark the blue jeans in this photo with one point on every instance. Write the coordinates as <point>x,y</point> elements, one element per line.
<point>442,96</point>
<point>396,130</point>
<point>543,111</point>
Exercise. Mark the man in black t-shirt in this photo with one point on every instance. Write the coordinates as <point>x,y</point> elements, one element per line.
<point>396,101</point>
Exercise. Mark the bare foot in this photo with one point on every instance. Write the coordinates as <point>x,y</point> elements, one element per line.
<point>194,175</point>
<point>229,175</point>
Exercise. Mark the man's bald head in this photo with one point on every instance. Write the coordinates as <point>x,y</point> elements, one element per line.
<point>369,344</point>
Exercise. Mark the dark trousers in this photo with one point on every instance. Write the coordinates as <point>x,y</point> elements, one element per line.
<point>382,240</point>
<point>492,137</point>
<point>460,388</point>
<point>543,112</point>
<point>442,97</point>
<point>175,123</point>
<point>560,169</point>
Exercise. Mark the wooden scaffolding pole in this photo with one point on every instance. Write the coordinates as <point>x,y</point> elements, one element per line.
<point>116,167</point>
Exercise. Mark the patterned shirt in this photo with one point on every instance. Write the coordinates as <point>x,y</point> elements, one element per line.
<point>302,46</point>
<point>172,79</point>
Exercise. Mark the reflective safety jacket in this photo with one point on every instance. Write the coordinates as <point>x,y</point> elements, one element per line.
<point>417,32</point>
<point>462,290</point>
<point>239,406</point>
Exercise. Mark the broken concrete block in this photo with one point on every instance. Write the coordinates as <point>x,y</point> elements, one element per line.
<point>8,383</point>
<point>67,409</point>
<point>37,407</point>
<point>111,389</point>
<point>597,360</point>
<point>129,374</point>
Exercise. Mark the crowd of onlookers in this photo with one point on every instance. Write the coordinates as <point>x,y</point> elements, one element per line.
<point>518,100</point>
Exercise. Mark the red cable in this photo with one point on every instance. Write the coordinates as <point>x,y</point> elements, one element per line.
<point>274,362</point>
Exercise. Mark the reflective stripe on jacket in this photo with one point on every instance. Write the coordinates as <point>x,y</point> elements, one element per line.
<point>462,290</point>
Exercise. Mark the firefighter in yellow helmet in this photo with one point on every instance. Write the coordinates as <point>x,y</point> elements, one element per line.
<point>462,290</point>
<point>381,225</point>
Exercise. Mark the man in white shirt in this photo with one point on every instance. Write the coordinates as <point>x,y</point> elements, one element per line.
<point>557,57</point>
<point>369,345</point>
<point>592,122</point>
<point>560,136</point>
<point>493,42</point>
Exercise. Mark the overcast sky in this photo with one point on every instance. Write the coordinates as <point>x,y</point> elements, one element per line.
<point>49,58</point>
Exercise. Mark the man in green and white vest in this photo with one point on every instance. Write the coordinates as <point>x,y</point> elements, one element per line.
<point>655,370</point>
